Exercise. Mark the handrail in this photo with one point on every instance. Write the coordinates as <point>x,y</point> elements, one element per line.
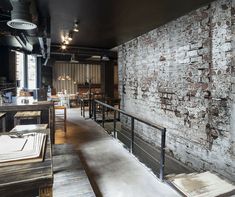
<point>129,114</point>
<point>133,118</point>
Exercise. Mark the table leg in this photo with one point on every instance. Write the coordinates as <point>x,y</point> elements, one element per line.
<point>51,121</point>
<point>4,124</point>
<point>38,120</point>
<point>46,192</point>
<point>16,121</point>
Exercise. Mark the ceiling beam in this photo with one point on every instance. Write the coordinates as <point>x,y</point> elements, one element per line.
<point>83,51</point>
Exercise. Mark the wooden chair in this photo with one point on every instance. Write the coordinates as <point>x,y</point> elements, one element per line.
<point>26,115</point>
<point>3,121</point>
<point>61,113</point>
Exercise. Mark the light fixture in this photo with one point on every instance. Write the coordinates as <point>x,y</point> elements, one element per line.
<point>67,36</point>
<point>63,46</point>
<point>75,27</point>
<point>66,41</point>
<point>63,78</point>
<point>70,37</point>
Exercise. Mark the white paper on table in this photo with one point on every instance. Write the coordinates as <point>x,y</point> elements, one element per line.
<point>9,145</point>
<point>31,149</point>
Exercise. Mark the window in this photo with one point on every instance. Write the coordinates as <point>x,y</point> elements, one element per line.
<point>20,70</point>
<point>32,72</point>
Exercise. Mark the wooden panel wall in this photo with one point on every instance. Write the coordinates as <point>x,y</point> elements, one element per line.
<point>79,74</point>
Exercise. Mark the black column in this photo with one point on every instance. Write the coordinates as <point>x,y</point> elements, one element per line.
<point>39,72</point>
<point>107,78</point>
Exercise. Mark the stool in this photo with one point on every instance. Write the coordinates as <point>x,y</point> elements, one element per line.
<point>60,111</point>
<point>3,121</point>
<point>26,115</point>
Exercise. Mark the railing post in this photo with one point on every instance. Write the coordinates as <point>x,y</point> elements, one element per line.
<point>94,110</point>
<point>132,134</point>
<point>83,109</point>
<point>81,106</point>
<point>90,108</point>
<point>115,124</point>
<point>162,159</point>
<point>103,116</point>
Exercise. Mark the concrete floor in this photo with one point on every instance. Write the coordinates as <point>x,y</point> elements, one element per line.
<point>112,170</point>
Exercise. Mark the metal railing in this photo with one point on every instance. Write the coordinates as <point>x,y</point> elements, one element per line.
<point>103,108</point>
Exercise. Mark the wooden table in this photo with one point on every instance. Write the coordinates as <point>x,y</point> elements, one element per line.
<point>29,127</point>
<point>33,106</point>
<point>26,115</point>
<point>21,178</point>
<point>3,120</point>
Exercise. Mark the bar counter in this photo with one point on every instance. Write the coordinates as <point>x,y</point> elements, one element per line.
<point>45,106</point>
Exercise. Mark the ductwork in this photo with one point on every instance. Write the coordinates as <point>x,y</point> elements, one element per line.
<point>21,17</point>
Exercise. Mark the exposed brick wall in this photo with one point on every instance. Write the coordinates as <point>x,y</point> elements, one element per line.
<point>181,76</point>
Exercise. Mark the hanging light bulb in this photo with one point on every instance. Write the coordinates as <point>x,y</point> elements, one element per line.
<point>66,41</point>
<point>63,46</point>
<point>70,37</point>
<point>75,27</point>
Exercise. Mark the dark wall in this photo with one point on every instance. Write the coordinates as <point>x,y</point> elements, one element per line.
<point>4,62</point>
<point>7,64</point>
<point>107,78</point>
<point>46,75</point>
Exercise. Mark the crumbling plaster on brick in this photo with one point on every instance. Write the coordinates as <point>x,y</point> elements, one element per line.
<point>180,76</point>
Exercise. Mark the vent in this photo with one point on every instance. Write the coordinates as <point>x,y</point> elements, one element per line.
<point>20,15</point>
<point>21,24</point>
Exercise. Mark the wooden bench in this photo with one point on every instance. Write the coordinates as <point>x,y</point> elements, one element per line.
<point>70,178</point>
<point>26,115</point>
<point>3,121</point>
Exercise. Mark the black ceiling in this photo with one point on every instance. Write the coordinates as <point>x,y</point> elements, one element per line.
<point>108,23</point>
<point>105,24</point>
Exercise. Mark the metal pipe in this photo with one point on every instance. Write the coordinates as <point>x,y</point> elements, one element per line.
<point>128,114</point>
<point>133,118</point>
<point>41,42</point>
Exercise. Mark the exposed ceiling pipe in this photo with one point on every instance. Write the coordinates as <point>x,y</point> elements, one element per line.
<point>86,51</point>
<point>41,42</point>
<point>21,17</point>
<point>48,47</point>
<point>24,43</point>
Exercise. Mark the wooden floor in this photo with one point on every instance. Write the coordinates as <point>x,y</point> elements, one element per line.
<point>70,179</point>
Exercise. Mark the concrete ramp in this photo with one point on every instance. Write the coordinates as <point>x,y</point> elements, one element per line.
<point>204,184</point>
<point>114,172</point>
